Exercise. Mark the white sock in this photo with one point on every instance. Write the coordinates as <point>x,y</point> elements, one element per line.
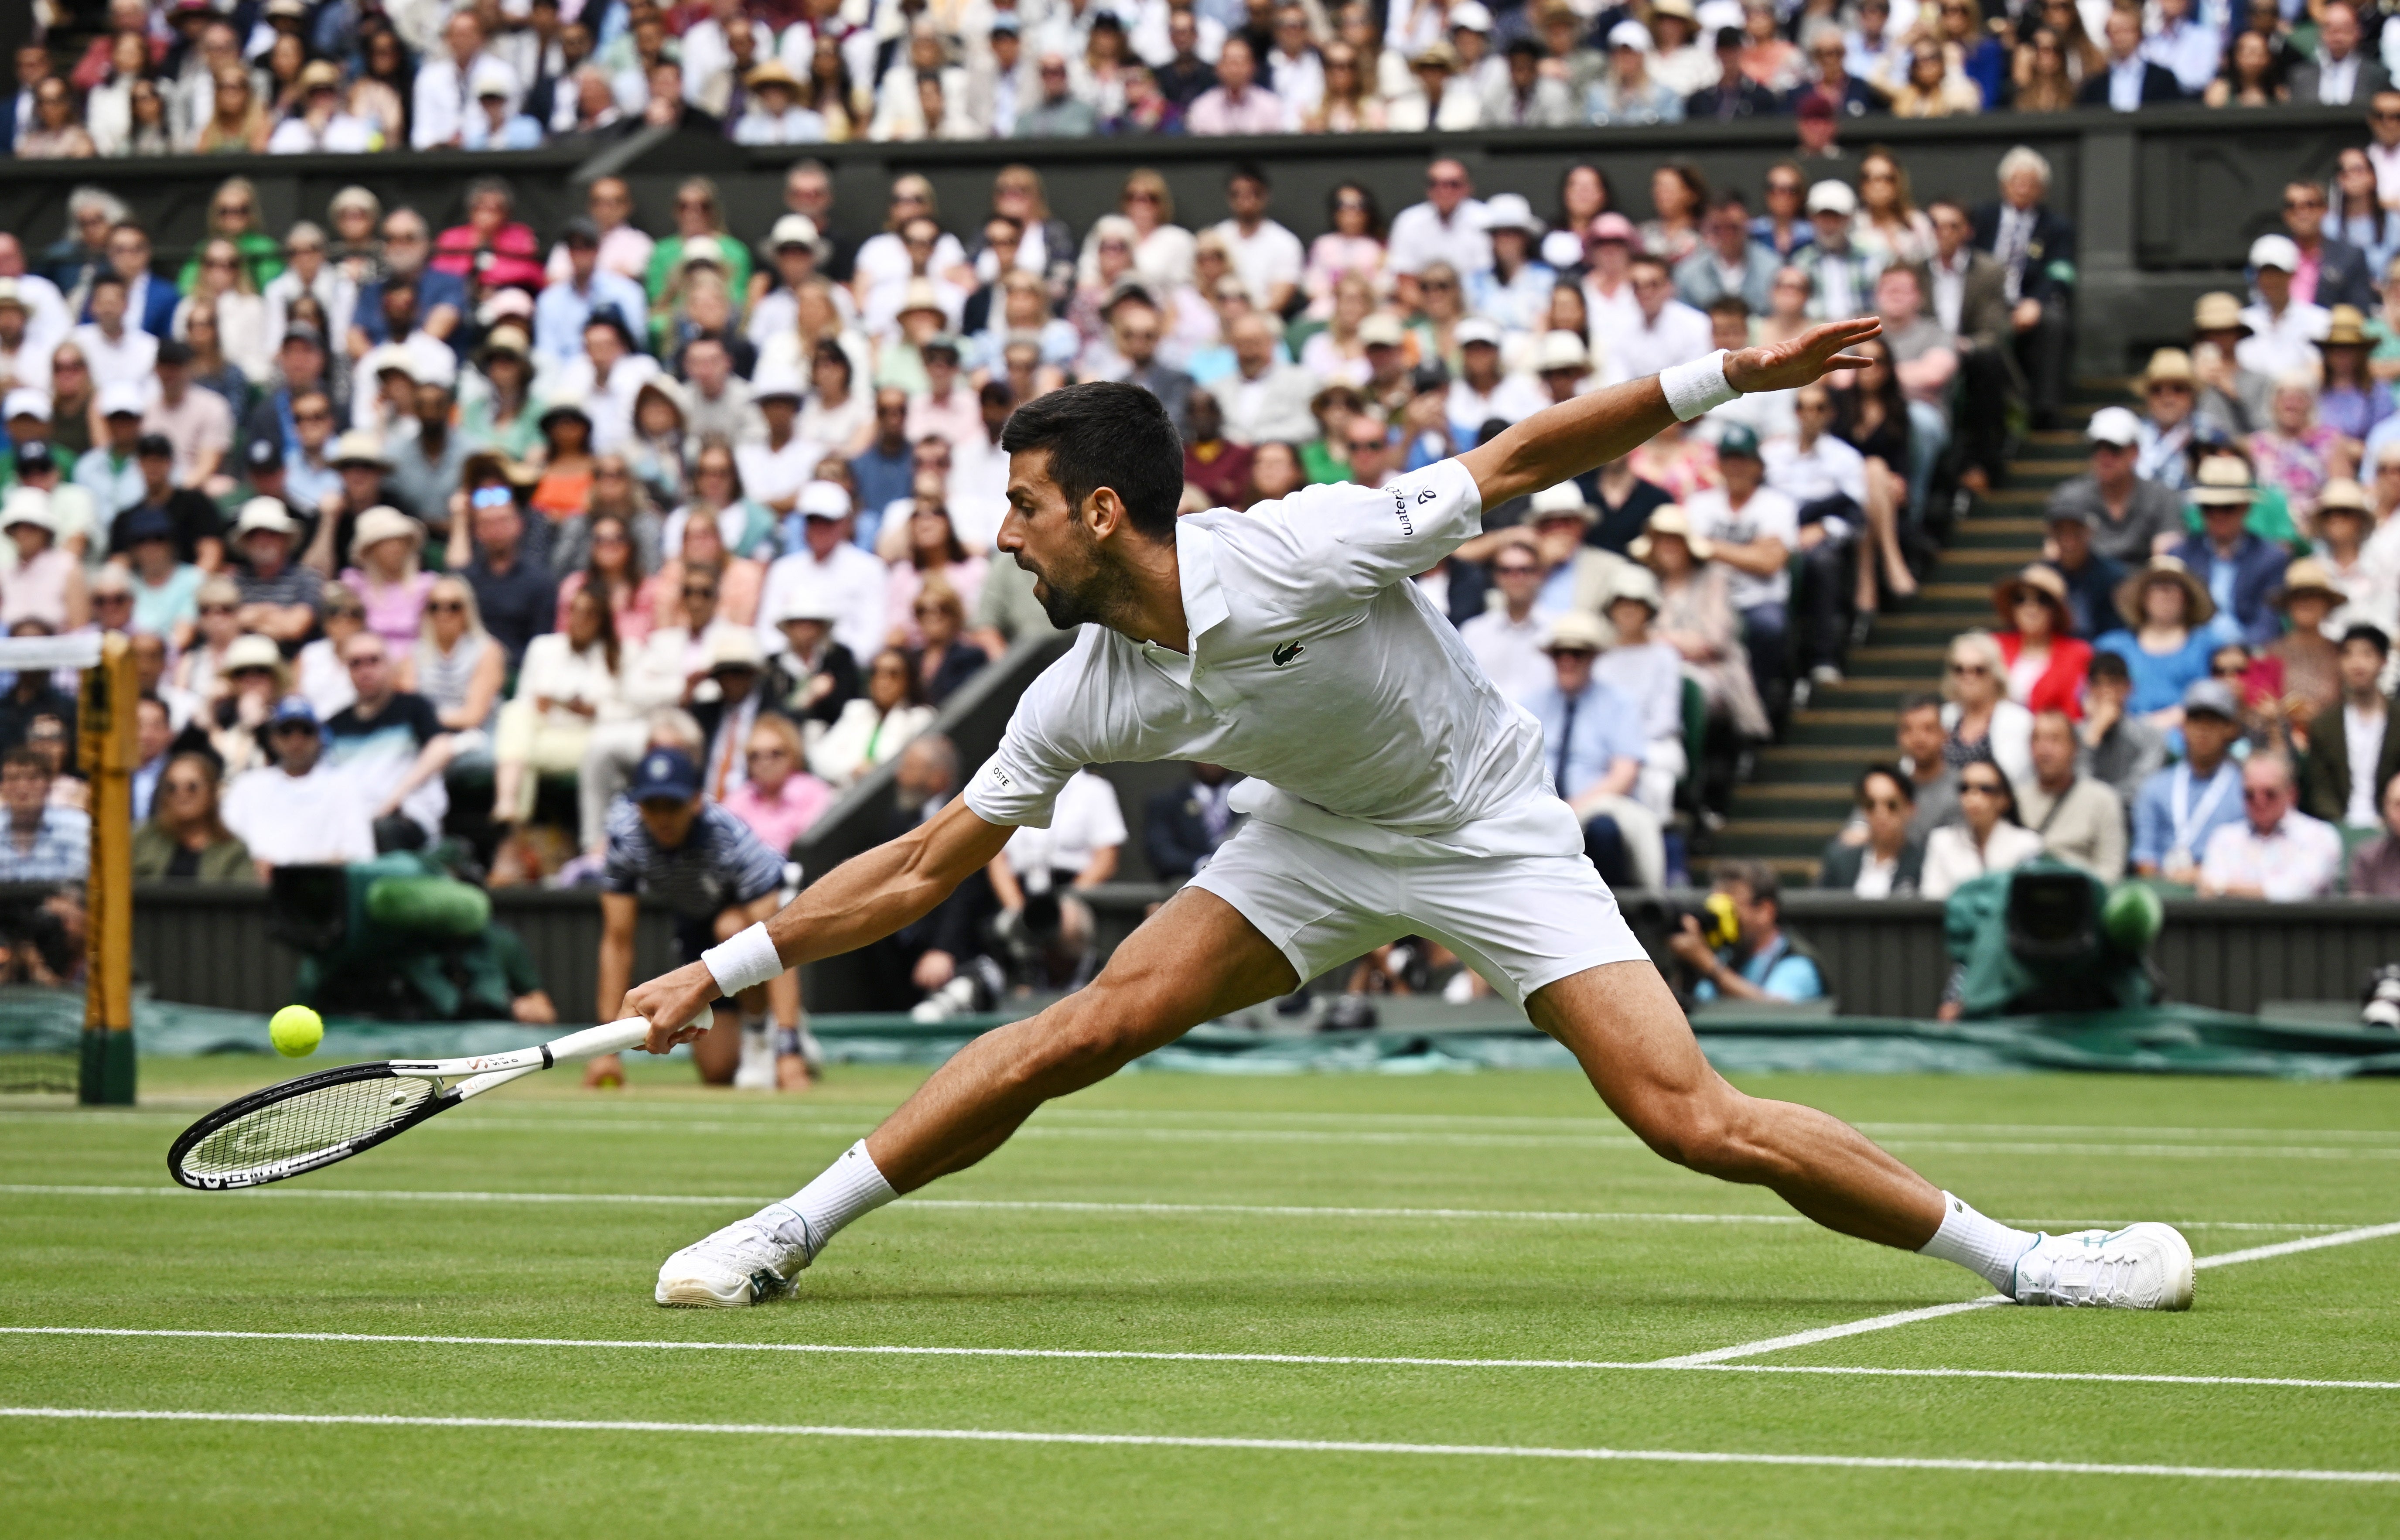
<point>1979,1245</point>
<point>850,1186</point>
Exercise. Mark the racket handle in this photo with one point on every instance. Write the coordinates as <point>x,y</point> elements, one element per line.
<point>614,1037</point>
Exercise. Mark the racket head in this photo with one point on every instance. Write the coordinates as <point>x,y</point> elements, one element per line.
<point>302,1124</point>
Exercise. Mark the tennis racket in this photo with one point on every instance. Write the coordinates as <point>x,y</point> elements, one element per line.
<point>309,1123</point>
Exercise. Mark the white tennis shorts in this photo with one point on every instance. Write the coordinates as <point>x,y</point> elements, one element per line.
<point>1520,920</point>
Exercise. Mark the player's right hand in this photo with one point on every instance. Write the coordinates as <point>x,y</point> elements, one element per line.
<point>674,1005</point>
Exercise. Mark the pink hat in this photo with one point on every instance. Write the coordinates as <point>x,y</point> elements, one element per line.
<point>1613,225</point>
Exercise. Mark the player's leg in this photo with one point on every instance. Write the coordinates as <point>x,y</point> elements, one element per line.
<point>1195,958</point>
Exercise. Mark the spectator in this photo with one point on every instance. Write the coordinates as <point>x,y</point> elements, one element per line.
<point>1728,261</point>
<point>566,303</point>
<point>2168,426</point>
<point>393,747</point>
<point>2284,327</point>
<point>876,726</point>
<point>1592,746</point>
<point>2240,571</point>
<point>779,799</point>
<point>54,134</point>
<point>318,123</point>
<point>1626,94</point>
<point>2339,74</point>
<point>1182,829</point>
<point>2252,76</point>
<point>1060,114</point>
<point>1752,529</point>
<point>43,841</point>
<point>2090,578</point>
<point>2118,749</point>
<point>1221,467</point>
<point>571,681</point>
<point>447,80</point>
<point>2307,663</point>
<point>814,676</point>
<point>829,564</point>
<point>2172,631</point>
<point>46,582</point>
<point>186,835</point>
<point>1648,674</point>
<point>1988,837</point>
<point>2353,754</point>
<point>1762,962</point>
<point>667,842</point>
<point>2081,820</point>
<point>1698,618</point>
<point>1043,872</point>
<point>2345,519</point>
<point>165,591</point>
<point>1931,88</point>
<point>301,810</point>
<point>2046,661</point>
<point>513,593</point>
<point>1522,96</point>
<point>2179,811</point>
<point>946,659</point>
<point>2035,249</point>
<point>1842,514</point>
<point>1890,861</point>
<point>2276,852</point>
<point>2130,518</point>
<point>1840,275</point>
<point>1982,724</point>
<point>1506,638</point>
<point>2131,81</point>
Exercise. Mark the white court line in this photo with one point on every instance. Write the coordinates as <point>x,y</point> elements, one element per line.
<point>1255,1211</point>
<point>1157,1356</point>
<point>1906,1318</point>
<point>1279,1446</point>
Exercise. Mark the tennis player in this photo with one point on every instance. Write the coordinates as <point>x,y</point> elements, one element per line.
<point>1393,791</point>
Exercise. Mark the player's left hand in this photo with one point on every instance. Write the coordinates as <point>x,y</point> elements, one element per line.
<point>674,1005</point>
<point>1802,360</point>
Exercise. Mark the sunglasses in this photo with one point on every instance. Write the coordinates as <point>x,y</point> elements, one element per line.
<point>2228,670</point>
<point>445,606</point>
<point>700,593</point>
<point>769,754</point>
<point>1984,788</point>
<point>1516,569</point>
<point>1883,804</point>
<point>184,788</point>
<point>1971,669</point>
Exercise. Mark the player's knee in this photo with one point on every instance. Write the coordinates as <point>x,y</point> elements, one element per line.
<point>1704,1132</point>
<point>1092,1034</point>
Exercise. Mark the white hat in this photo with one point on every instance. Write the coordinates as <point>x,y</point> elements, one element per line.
<point>1469,16</point>
<point>359,447</point>
<point>265,513</point>
<point>782,380</point>
<point>1833,198</point>
<point>121,399</point>
<point>493,78</point>
<point>13,293</point>
<point>27,505</point>
<point>1382,330</point>
<point>792,230</point>
<point>807,605</point>
<point>2275,251</point>
<point>735,646</point>
<point>1510,211</point>
<point>380,524</point>
<point>821,499</point>
<point>388,356</point>
<point>1564,499</point>
<point>26,402</point>
<point>1476,329</point>
<point>701,249</point>
<point>1639,584</point>
<point>2115,425</point>
<point>1561,350</point>
<point>1629,34</point>
<point>433,366</point>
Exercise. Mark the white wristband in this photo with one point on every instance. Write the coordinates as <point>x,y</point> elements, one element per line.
<point>743,962</point>
<point>1695,388</point>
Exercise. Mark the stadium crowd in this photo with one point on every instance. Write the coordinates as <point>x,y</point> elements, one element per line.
<point>399,511</point>
<point>347,76</point>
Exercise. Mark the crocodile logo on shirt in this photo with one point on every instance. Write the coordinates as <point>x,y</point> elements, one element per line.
<point>1287,652</point>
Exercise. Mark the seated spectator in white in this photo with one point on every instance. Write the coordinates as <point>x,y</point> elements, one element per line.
<point>1648,674</point>
<point>1451,226</point>
<point>2285,331</point>
<point>778,799</point>
<point>1039,871</point>
<point>2275,851</point>
<point>1525,96</point>
<point>1506,638</point>
<point>393,747</point>
<point>1626,94</point>
<point>875,726</point>
<point>1267,257</point>
<point>1979,722</point>
<point>301,810</point>
<point>1986,838</point>
<point>43,841</point>
<point>1753,530</point>
<point>1180,830</point>
<point>109,470</point>
<point>775,465</point>
<point>1592,747</point>
<point>118,351</point>
<point>279,598</point>
<point>323,674</point>
<point>1889,863</point>
<point>1265,399</point>
<point>726,705</point>
<point>1516,292</point>
<point>2080,820</point>
<point>772,113</point>
<point>1482,393</point>
<point>828,565</point>
<point>948,409</point>
<point>45,582</point>
<point>1662,332</point>
<point>455,663</point>
<point>317,123</point>
<point>571,681</point>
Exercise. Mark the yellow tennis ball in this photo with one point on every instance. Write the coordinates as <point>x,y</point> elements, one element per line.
<point>296,1030</point>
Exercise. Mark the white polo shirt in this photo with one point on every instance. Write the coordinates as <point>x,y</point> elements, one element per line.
<point>1316,669</point>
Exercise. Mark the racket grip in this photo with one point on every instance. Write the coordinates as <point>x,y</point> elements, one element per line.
<point>613,1037</point>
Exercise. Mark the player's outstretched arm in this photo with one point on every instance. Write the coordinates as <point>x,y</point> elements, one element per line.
<point>1569,439</point>
<point>864,899</point>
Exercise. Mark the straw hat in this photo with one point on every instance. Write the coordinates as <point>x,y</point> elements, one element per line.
<point>2347,329</point>
<point>252,650</point>
<point>1670,519</point>
<point>380,524</point>
<point>359,447</point>
<point>1637,584</point>
<point>2218,312</point>
<point>2223,481</point>
<point>2168,366</point>
<point>2199,608</point>
<point>1574,631</point>
<point>775,72</point>
<point>1563,501</point>
<point>2308,576</point>
<point>2344,496</point>
<point>2040,577</point>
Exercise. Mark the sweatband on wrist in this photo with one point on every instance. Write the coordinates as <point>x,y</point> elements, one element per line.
<point>787,1040</point>
<point>745,963</point>
<point>1696,386</point>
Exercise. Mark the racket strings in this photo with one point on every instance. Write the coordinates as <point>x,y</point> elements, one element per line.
<point>317,1120</point>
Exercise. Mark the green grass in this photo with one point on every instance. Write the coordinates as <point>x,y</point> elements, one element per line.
<point>1617,1291</point>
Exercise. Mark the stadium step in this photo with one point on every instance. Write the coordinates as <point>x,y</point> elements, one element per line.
<point>1800,793</point>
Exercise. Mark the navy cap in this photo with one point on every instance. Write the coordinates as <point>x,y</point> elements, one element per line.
<point>1738,442</point>
<point>35,455</point>
<point>146,523</point>
<point>665,773</point>
<point>265,455</point>
<point>292,708</point>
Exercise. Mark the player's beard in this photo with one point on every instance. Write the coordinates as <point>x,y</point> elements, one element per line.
<point>1096,593</point>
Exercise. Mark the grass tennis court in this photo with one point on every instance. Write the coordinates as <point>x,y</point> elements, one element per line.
<point>1478,1218</point>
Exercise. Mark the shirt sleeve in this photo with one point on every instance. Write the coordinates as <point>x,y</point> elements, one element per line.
<point>1329,547</point>
<point>1039,751</point>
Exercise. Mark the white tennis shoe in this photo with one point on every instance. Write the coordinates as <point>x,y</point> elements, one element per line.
<point>2140,1267</point>
<point>742,1264</point>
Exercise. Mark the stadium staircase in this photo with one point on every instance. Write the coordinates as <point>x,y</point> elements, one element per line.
<point>1800,793</point>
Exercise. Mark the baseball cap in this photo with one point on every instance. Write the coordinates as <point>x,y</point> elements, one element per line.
<point>267,514</point>
<point>1561,350</point>
<point>301,331</point>
<point>292,708</point>
<point>2278,252</point>
<point>1476,330</point>
<point>582,230</point>
<point>1613,225</point>
<point>665,775</point>
<point>264,455</point>
<point>2213,697</point>
<point>34,455</point>
<point>792,230</point>
<point>1629,34</point>
<point>808,606</point>
<point>120,400</point>
<point>822,499</point>
<point>146,523</point>
<point>1833,198</point>
<point>27,402</point>
<point>1737,441</point>
<point>1469,16</point>
<point>772,383</point>
<point>2115,425</point>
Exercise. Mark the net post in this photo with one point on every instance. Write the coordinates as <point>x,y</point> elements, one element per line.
<point>105,744</point>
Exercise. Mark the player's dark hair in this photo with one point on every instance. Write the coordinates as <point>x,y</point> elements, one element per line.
<point>1101,434</point>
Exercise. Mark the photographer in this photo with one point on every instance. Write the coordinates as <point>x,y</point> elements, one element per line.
<point>1760,962</point>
